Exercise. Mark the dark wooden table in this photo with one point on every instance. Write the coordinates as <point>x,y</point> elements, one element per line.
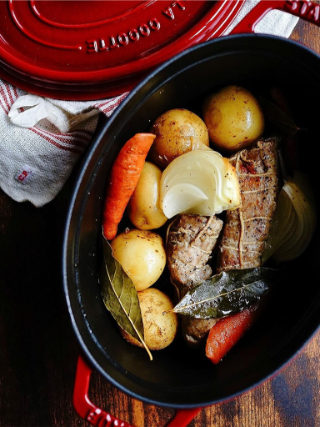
<point>39,351</point>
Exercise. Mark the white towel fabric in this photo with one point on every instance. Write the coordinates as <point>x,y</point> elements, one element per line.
<point>41,139</point>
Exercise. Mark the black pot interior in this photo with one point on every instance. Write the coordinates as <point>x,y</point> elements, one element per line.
<point>179,376</point>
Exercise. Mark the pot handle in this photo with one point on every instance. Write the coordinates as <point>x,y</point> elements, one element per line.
<point>304,9</point>
<point>183,417</point>
<point>82,404</point>
<point>97,417</point>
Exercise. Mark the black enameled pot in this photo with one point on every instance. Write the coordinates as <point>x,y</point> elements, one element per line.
<point>178,377</point>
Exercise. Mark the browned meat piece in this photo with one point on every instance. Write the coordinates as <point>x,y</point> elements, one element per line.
<point>246,228</point>
<point>194,331</point>
<point>190,242</point>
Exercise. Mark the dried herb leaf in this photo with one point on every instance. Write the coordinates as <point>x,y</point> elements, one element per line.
<point>120,296</point>
<point>278,117</point>
<point>226,293</point>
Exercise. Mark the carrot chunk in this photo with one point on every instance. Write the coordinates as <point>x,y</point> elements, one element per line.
<point>228,331</point>
<point>124,177</point>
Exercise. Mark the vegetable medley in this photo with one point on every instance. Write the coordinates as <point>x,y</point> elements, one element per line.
<point>209,200</point>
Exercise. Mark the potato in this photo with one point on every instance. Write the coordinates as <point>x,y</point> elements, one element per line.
<point>177,132</point>
<point>234,118</point>
<point>142,256</point>
<point>160,328</point>
<point>144,207</point>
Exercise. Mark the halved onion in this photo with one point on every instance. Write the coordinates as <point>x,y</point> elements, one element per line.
<point>294,221</point>
<point>199,182</point>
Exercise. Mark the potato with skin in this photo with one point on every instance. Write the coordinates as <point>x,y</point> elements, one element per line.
<point>234,118</point>
<point>142,256</point>
<point>177,132</point>
<point>144,209</point>
<point>160,328</point>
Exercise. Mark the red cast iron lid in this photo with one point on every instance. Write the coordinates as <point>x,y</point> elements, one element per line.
<point>97,49</point>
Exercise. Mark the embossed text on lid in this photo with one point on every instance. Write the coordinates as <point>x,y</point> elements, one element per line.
<point>95,49</point>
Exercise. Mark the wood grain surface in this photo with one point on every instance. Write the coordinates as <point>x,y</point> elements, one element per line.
<point>38,350</point>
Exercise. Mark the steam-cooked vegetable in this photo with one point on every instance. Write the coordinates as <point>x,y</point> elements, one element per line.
<point>234,118</point>
<point>294,221</point>
<point>160,327</point>
<point>199,182</point>
<point>124,177</point>
<point>120,297</point>
<point>144,207</point>
<point>142,256</point>
<point>228,331</point>
<point>177,132</point>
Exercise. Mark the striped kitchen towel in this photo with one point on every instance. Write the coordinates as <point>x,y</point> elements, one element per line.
<point>41,140</point>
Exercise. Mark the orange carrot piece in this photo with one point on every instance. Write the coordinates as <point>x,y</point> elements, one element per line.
<point>228,331</point>
<point>124,177</point>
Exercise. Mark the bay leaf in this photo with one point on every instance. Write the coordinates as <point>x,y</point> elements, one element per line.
<point>120,296</point>
<point>278,117</point>
<point>226,293</point>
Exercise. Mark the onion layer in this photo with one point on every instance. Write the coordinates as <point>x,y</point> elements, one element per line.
<point>199,182</point>
<point>294,221</point>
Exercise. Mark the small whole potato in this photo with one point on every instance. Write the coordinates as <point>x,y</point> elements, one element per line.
<point>177,132</point>
<point>144,207</point>
<point>234,118</point>
<point>142,256</point>
<point>160,328</point>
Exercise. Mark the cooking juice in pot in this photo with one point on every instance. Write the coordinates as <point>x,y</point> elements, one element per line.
<point>215,200</point>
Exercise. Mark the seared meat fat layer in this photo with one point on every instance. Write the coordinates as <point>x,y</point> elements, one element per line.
<point>246,228</point>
